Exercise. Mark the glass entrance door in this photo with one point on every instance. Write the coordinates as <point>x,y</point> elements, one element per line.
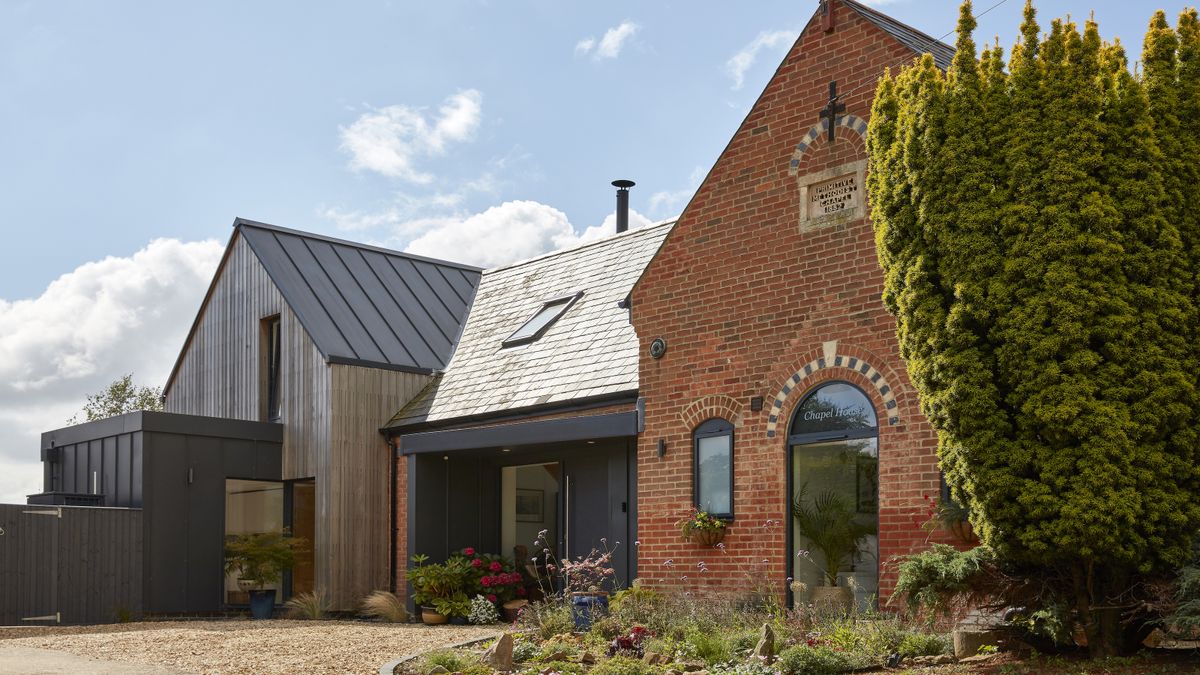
<point>834,477</point>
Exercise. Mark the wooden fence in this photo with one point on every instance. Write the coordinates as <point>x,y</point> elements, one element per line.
<point>69,564</point>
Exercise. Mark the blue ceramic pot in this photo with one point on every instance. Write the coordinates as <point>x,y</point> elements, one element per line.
<point>262,604</point>
<point>586,607</point>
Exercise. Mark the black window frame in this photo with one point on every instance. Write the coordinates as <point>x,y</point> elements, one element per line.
<point>272,365</point>
<point>567,301</point>
<point>712,428</point>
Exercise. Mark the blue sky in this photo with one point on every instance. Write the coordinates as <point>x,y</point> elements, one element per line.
<point>430,126</point>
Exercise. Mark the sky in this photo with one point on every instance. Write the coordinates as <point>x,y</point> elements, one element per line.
<point>133,133</point>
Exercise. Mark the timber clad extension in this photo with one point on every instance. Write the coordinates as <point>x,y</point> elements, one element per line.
<point>362,329</point>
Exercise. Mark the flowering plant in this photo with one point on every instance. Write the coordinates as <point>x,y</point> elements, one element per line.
<point>699,521</point>
<point>589,574</point>
<point>630,644</point>
<point>492,576</point>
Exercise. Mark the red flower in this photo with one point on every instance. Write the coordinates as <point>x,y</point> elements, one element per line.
<point>521,591</point>
<point>495,567</point>
<point>468,551</point>
<point>491,597</point>
<point>485,581</point>
<point>477,563</point>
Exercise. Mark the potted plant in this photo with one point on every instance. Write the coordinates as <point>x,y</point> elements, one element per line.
<point>702,528</point>
<point>433,583</point>
<point>259,559</point>
<point>830,525</point>
<point>951,517</point>
<point>586,579</point>
<point>456,608</point>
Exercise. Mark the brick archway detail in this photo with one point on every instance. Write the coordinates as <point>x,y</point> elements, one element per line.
<point>830,359</point>
<point>708,407</point>
<point>851,122</point>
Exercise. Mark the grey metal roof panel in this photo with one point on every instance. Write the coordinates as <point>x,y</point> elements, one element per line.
<point>365,304</point>
<point>590,351</point>
<point>910,37</point>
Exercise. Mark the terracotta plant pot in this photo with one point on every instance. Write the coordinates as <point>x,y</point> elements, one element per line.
<point>430,617</point>
<point>707,537</point>
<point>833,599</point>
<point>962,531</point>
<point>512,609</point>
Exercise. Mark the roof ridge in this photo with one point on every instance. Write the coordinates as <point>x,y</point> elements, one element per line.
<point>581,246</point>
<point>871,10</point>
<point>246,222</point>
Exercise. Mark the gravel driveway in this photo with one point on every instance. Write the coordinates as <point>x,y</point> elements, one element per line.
<point>238,646</point>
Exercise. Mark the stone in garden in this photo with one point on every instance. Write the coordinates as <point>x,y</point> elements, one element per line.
<point>693,666</point>
<point>654,658</point>
<point>674,671</point>
<point>557,656</point>
<point>978,658</point>
<point>968,642</point>
<point>500,655</point>
<point>587,658</point>
<point>1155,638</point>
<point>765,649</point>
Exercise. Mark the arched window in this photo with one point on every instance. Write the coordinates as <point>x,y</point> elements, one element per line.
<point>713,467</point>
<point>834,478</point>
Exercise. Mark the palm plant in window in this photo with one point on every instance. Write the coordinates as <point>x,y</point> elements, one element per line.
<point>829,522</point>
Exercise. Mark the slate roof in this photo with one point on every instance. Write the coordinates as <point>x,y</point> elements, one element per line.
<point>910,37</point>
<point>591,351</point>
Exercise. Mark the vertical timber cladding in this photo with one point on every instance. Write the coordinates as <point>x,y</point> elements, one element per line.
<point>353,481</point>
<point>772,264</point>
<point>69,565</point>
<point>219,372</point>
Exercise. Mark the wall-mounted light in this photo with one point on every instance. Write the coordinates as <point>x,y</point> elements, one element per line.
<point>505,449</point>
<point>662,448</point>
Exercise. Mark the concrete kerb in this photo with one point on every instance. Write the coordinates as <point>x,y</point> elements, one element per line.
<point>389,668</point>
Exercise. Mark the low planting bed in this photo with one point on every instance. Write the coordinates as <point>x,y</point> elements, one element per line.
<point>648,633</point>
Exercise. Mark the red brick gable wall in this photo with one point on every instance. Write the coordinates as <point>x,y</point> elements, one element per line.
<point>745,301</point>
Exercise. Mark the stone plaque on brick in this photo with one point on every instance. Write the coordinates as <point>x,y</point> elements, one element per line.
<point>833,196</point>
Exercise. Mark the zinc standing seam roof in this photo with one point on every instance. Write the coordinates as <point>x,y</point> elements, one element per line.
<point>590,351</point>
<point>366,305</point>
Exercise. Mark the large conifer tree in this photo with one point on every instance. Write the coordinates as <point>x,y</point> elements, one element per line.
<point>1038,231</point>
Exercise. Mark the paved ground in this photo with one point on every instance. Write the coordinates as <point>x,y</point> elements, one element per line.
<point>226,647</point>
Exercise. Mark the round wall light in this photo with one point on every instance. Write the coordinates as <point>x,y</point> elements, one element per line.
<point>657,348</point>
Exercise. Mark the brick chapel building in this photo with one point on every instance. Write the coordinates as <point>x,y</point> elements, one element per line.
<point>766,294</point>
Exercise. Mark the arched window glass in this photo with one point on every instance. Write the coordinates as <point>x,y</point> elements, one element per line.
<point>834,407</point>
<point>713,469</point>
<point>834,480</point>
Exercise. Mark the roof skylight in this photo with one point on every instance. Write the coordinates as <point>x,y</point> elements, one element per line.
<point>545,317</point>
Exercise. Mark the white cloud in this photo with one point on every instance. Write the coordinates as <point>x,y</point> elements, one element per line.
<point>89,327</point>
<point>670,202</point>
<point>609,46</point>
<point>390,140</point>
<point>512,231</point>
<point>740,63</point>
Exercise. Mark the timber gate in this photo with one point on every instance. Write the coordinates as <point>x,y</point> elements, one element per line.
<point>69,564</point>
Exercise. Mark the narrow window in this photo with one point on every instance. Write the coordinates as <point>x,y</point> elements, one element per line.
<point>270,370</point>
<point>536,326</point>
<point>713,468</point>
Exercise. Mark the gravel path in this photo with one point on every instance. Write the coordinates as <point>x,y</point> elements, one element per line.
<point>229,647</point>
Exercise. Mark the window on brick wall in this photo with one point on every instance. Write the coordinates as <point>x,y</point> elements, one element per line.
<point>713,467</point>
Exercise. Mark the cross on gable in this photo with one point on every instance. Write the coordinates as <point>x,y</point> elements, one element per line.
<point>832,110</point>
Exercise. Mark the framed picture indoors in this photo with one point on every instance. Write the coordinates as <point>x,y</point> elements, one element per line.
<point>530,506</point>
